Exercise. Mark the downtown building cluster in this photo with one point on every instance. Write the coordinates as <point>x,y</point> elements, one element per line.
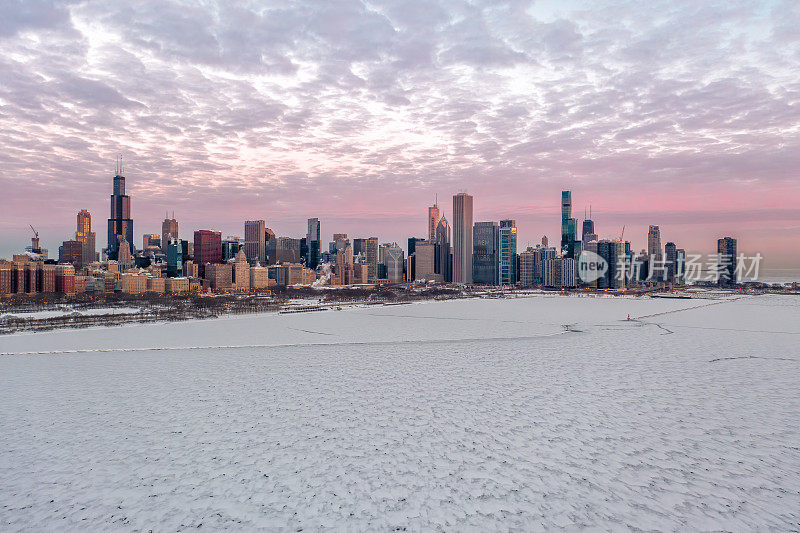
<point>464,252</point>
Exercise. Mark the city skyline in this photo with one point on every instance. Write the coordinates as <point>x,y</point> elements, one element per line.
<point>360,115</point>
<point>119,180</point>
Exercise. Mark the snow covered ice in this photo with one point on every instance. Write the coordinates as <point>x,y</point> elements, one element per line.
<point>540,413</point>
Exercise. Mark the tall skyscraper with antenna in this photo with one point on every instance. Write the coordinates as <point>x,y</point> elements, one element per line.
<point>169,230</point>
<point>433,220</point>
<point>120,224</point>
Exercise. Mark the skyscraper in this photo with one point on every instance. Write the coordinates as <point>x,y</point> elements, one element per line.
<point>587,233</point>
<point>462,238</point>
<point>670,261</point>
<point>120,224</point>
<point>444,255</point>
<point>655,254</point>
<point>314,243</point>
<point>255,241</point>
<point>85,234</point>
<point>654,242</point>
<point>433,221</point>
<point>486,253</point>
<point>726,261</point>
<point>508,252</point>
<point>372,258</point>
<point>169,230</point>
<point>568,225</point>
<point>207,249</point>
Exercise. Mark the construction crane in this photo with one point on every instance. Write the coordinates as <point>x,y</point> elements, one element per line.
<point>35,241</point>
<point>622,233</point>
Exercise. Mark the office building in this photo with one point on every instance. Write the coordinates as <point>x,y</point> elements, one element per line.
<point>462,238</point>
<point>727,261</point>
<point>151,241</point>
<point>255,241</point>
<point>175,258</point>
<point>425,262</point>
<point>508,252</point>
<point>71,252</point>
<point>207,249</point>
<point>568,226</point>
<point>670,261</point>
<point>527,264</point>
<point>220,276</point>
<point>444,252</point>
<point>371,253</point>
<point>680,266</point>
<point>87,237</point>
<point>393,259</point>
<point>287,250</point>
<point>486,253</point>
<point>120,225</point>
<point>314,243</point>
<point>241,271</point>
<point>169,229</point>
<point>433,221</point>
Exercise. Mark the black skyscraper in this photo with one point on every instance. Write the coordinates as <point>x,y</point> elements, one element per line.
<point>120,225</point>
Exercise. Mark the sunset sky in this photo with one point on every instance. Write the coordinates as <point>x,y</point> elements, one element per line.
<point>682,114</point>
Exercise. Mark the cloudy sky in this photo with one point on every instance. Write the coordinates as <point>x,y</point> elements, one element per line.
<point>683,114</point>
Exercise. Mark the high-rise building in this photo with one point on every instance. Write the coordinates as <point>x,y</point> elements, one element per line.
<point>175,258</point>
<point>151,241</point>
<point>85,234</point>
<point>207,249</point>
<point>726,261</point>
<point>462,238</point>
<point>169,229</point>
<point>255,241</point>
<point>394,259</point>
<point>314,243</point>
<point>613,252</point>
<point>360,247</point>
<point>486,253</point>
<point>287,250</point>
<point>124,257</point>
<point>230,247</point>
<point>71,252</point>
<point>372,258</point>
<point>444,254</point>
<point>241,271</point>
<point>120,224</point>
<point>272,243</point>
<point>587,233</point>
<point>433,221</point>
<point>527,263</point>
<point>680,266</point>
<point>425,261</point>
<point>655,253</point>
<point>670,261</point>
<point>412,248</point>
<point>508,252</point>
<point>559,272</point>
<point>568,226</point>
<point>654,242</point>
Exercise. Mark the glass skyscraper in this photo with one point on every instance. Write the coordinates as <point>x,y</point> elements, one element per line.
<point>486,253</point>
<point>508,252</point>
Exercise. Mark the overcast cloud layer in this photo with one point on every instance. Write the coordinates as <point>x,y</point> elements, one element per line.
<point>683,114</point>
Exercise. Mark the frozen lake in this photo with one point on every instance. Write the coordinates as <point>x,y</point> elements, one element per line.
<point>535,413</point>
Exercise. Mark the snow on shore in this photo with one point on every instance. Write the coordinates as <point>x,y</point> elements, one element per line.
<point>535,413</point>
